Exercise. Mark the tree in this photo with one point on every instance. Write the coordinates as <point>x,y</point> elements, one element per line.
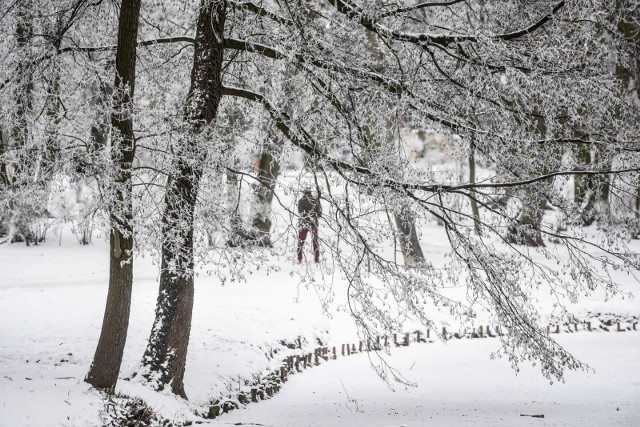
<point>105,367</point>
<point>505,81</point>
<point>19,142</point>
<point>165,356</point>
<point>31,85</point>
<point>504,77</point>
<point>268,172</point>
<point>495,77</point>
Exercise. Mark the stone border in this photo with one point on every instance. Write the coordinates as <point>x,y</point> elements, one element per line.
<point>267,386</point>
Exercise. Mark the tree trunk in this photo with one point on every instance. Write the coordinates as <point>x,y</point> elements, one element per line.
<point>23,91</point>
<point>268,172</point>
<point>51,149</point>
<point>408,237</point>
<point>637,228</point>
<point>4,176</point>
<point>104,370</point>
<point>403,217</point>
<point>585,187</point>
<point>100,127</point>
<point>527,229</point>
<point>19,173</point>
<point>52,144</point>
<point>17,134</point>
<point>165,356</point>
<point>4,185</point>
<point>237,234</point>
<point>472,180</point>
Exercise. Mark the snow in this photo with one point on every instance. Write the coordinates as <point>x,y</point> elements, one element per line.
<point>52,301</point>
<point>51,305</point>
<point>458,385</point>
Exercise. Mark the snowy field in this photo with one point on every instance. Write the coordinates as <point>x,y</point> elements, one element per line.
<point>52,299</point>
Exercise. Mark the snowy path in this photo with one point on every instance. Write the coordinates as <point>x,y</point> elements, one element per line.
<point>458,385</point>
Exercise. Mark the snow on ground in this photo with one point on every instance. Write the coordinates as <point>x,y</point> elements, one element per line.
<point>458,385</point>
<point>51,305</point>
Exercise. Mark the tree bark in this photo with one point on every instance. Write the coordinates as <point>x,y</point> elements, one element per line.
<point>100,127</point>
<point>237,234</point>
<point>4,184</point>
<point>268,172</point>
<point>15,136</point>
<point>472,180</point>
<point>105,368</point>
<point>4,147</point>
<point>408,237</point>
<point>527,229</point>
<point>19,173</point>
<point>51,149</point>
<point>405,220</point>
<point>23,92</point>
<point>583,187</point>
<point>165,356</point>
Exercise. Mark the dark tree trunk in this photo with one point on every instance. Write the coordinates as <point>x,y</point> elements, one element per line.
<point>4,177</point>
<point>18,174</point>
<point>165,356</point>
<point>52,143</point>
<point>105,368</point>
<point>637,228</point>
<point>23,91</point>
<point>527,230</point>
<point>4,185</point>
<point>51,148</point>
<point>238,236</point>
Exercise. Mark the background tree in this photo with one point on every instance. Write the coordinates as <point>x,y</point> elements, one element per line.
<point>496,77</point>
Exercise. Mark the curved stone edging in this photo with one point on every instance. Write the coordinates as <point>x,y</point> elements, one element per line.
<point>268,386</point>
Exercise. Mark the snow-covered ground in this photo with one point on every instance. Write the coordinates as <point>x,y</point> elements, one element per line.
<point>52,300</point>
<point>51,304</point>
<point>458,385</point>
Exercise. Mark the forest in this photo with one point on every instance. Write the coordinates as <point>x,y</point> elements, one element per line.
<point>468,157</point>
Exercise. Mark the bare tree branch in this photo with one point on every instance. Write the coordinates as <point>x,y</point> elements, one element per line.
<point>418,7</point>
<point>303,140</point>
<point>352,11</point>
<point>165,40</point>
<point>260,11</point>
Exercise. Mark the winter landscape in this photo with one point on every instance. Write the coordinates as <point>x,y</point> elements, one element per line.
<point>319,213</point>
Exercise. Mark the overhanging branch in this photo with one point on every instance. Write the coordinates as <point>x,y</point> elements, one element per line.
<point>419,6</point>
<point>352,11</point>
<point>165,40</point>
<point>260,11</point>
<point>302,139</point>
